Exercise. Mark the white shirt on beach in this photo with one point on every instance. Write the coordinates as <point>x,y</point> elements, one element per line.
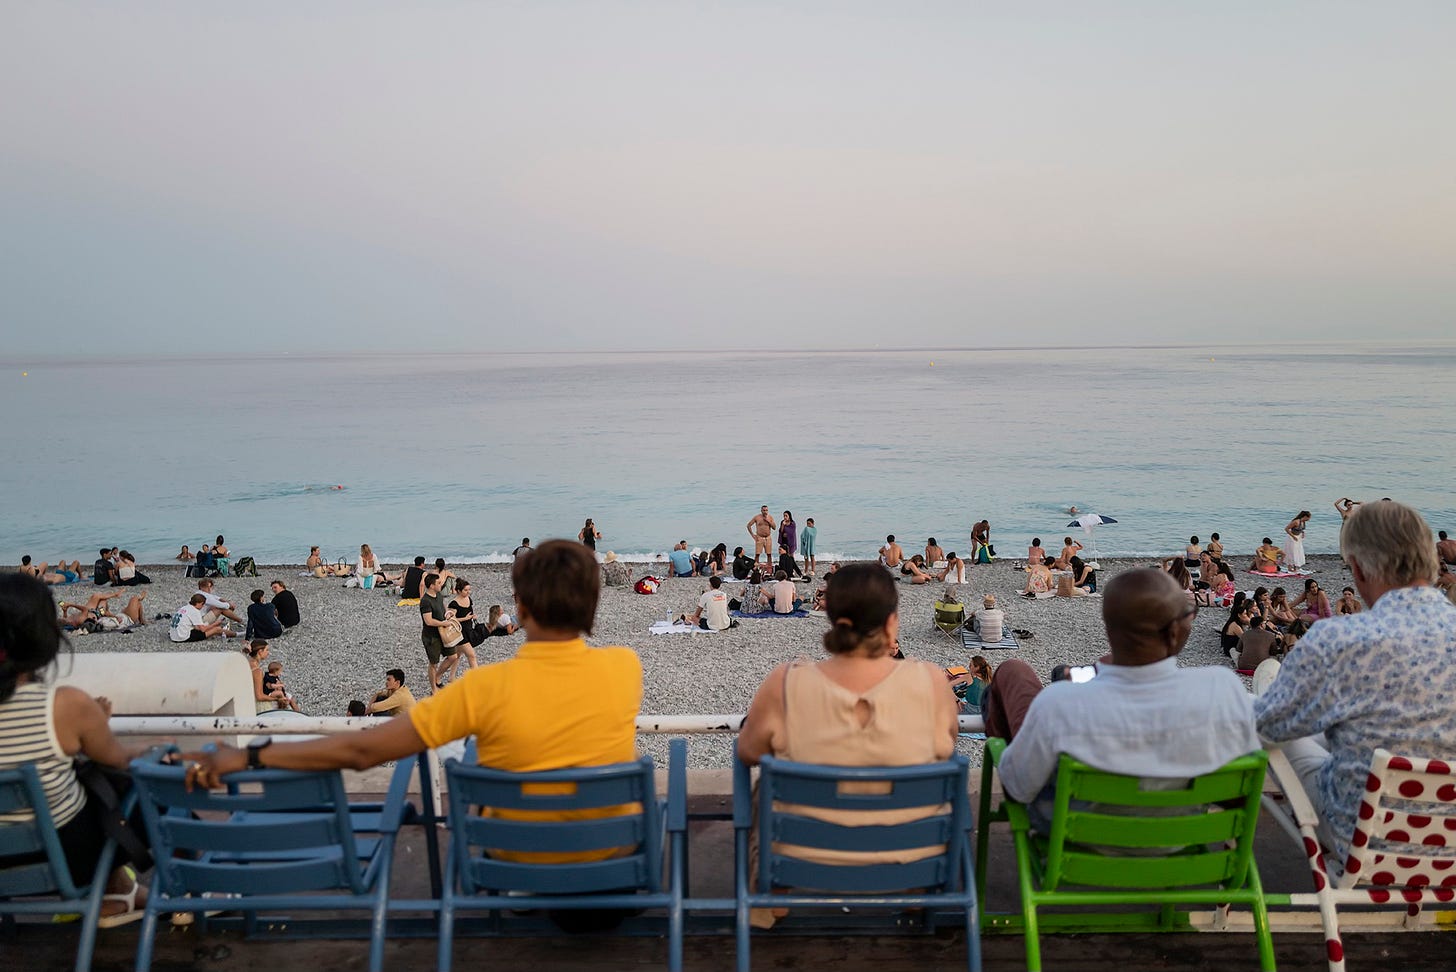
<point>213,601</point>
<point>714,604</point>
<point>186,618</point>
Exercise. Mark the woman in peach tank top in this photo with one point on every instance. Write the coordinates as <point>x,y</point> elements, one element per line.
<point>858,707</point>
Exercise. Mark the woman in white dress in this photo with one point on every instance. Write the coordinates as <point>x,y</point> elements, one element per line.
<point>1294,544</point>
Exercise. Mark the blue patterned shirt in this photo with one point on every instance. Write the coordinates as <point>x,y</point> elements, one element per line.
<point>1382,679</point>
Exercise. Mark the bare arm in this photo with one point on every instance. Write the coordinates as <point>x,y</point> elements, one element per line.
<point>394,739</point>
<point>755,738</point>
<point>82,728</point>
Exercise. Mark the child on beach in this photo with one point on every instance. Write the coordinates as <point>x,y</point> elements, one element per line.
<point>273,685</point>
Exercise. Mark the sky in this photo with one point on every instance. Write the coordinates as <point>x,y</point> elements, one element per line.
<point>355,176</point>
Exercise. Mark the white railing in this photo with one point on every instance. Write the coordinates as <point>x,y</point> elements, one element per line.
<point>282,724</point>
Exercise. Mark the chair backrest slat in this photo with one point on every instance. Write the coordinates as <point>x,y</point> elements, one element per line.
<point>803,831</point>
<point>1405,830</point>
<point>1115,830</point>
<point>617,874</point>
<point>565,836</point>
<point>600,786</point>
<point>793,797</point>
<point>302,817</point>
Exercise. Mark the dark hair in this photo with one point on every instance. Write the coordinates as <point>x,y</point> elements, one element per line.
<point>1067,540</point>
<point>811,521</point>
<point>397,674</point>
<point>755,576</point>
<point>439,563</point>
<point>25,561</point>
<point>1277,592</point>
<point>1239,605</point>
<point>525,540</point>
<point>737,551</point>
<point>107,550</point>
<point>859,599</point>
<point>279,583</point>
<point>460,584</point>
<point>1297,628</point>
<point>1348,590</point>
<point>196,599</point>
<point>1267,540</point>
<point>1036,541</point>
<point>1213,536</point>
<point>257,597</point>
<point>781,575</point>
<point>220,539</point>
<point>559,585</point>
<point>1076,564</point>
<point>950,556</point>
<point>356,708</point>
<point>715,582</point>
<point>1192,539</point>
<point>1179,572</point>
<point>1305,513</point>
<point>1048,561</point>
<point>1311,583</point>
<point>1260,592</point>
<point>1441,534</point>
<point>30,633</point>
<point>788,516</point>
<point>890,538</point>
<point>255,647</point>
<point>419,561</point>
<point>429,579</point>
<point>931,541</point>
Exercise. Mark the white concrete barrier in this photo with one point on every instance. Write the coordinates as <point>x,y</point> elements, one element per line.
<point>165,683</point>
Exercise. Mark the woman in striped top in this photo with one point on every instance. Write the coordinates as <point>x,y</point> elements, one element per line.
<point>48,727</point>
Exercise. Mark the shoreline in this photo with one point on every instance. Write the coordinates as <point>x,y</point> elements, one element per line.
<point>348,637</point>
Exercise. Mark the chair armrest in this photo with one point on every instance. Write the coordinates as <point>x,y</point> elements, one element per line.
<point>1288,780</point>
<point>392,813</point>
<point>677,786</point>
<point>742,796</point>
<point>995,746</point>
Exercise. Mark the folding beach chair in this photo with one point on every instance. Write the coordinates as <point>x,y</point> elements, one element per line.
<point>1402,853</point>
<point>1209,823</point>
<point>950,620</point>
<point>789,792</point>
<point>45,887</point>
<point>277,839</point>
<point>629,878</point>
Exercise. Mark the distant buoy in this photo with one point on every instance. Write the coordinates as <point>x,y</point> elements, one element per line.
<point>25,374</point>
<point>338,487</point>
<point>932,364</point>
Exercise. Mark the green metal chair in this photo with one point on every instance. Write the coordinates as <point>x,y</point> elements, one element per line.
<point>1102,854</point>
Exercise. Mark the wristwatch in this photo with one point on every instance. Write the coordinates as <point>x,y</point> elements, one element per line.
<point>255,751</point>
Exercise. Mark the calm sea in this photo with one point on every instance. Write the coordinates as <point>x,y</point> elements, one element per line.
<point>461,455</point>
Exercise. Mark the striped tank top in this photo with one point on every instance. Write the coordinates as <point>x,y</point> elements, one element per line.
<point>28,735</point>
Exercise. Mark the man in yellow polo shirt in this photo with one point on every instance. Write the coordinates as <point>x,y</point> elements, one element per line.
<point>556,704</point>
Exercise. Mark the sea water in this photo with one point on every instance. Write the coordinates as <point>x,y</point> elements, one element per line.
<point>461,455</point>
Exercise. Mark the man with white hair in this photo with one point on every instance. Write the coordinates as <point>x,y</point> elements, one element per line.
<point>1382,679</point>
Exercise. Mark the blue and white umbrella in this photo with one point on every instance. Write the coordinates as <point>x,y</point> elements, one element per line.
<point>1088,522</point>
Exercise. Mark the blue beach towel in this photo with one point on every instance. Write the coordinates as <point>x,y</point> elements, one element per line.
<point>973,642</point>
<point>801,613</point>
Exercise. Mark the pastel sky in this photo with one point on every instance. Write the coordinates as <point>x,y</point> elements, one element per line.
<point>286,176</point>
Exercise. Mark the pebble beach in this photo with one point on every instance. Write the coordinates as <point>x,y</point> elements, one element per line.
<point>348,637</point>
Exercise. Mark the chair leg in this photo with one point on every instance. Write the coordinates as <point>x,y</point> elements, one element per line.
<point>146,938</point>
<point>378,921</point>
<point>675,915</point>
<point>973,937</point>
<point>741,929</point>
<point>1261,921</point>
<point>1028,903</point>
<point>446,943</point>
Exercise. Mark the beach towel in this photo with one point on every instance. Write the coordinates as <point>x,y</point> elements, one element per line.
<point>407,602</point>
<point>973,642</point>
<point>801,613</point>
<point>675,627</point>
<point>1282,573</point>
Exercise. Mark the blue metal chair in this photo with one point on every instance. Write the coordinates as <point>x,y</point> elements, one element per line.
<point>634,880</point>
<point>277,839</point>
<point>45,887</point>
<point>945,880</point>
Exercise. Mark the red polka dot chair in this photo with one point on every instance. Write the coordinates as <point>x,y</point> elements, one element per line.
<point>1403,851</point>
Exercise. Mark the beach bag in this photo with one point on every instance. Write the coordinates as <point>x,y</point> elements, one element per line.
<point>342,568</point>
<point>450,634</point>
<point>245,568</point>
<point>647,585</point>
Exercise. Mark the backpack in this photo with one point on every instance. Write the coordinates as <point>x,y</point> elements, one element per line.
<point>647,585</point>
<point>245,567</point>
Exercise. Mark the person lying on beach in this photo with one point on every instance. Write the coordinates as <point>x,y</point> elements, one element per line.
<point>1267,558</point>
<point>63,574</point>
<point>186,555</point>
<point>74,616</point>
<point>891,554</point>
<point>954,571</point>
<point>1070,548</point>
<point>1348,602</point>
<point>914,568</point>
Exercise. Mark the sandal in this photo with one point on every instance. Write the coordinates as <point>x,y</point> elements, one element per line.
<point>130,914</point>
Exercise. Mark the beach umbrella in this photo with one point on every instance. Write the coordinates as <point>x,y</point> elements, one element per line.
<point>1089,522</point>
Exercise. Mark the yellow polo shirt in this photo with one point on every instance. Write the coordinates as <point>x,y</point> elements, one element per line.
<point>554,705</point>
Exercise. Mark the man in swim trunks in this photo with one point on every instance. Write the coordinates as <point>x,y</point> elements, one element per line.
<point>63,574</point>
<point>1070,548</point>
<point>760,528</point>
<point>890,553</point>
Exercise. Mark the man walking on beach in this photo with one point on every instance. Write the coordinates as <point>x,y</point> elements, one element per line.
<point>760,528</point>
<point>1381,679</point>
